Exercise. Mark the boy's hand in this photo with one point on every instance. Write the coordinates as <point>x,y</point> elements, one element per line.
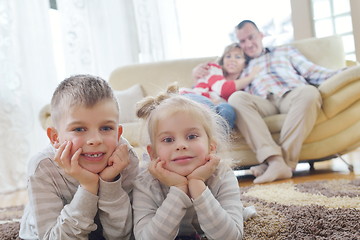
<point>205,171</point>
<point>117,162</point>
<point>156,168</point>
<point>70,164</point>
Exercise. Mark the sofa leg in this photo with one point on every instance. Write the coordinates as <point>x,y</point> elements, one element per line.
<point>350,166</point>
<point>312,168</point>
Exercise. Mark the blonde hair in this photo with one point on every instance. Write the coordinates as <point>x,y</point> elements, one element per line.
<point>82,90</point>
<point>167,103</point>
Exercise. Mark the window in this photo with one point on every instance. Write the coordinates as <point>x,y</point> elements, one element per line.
<point>206,27</point>
<point>334,17</point>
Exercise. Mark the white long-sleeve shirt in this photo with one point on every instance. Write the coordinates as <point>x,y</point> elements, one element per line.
<point>161,212</point>
<point>59,208</point>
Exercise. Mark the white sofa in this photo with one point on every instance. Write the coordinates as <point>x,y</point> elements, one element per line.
<point>337,130</point>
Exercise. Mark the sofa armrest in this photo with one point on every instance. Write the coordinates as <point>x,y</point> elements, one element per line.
<point>350,63</point>
<point>340,91</point>
<point>45,117</point>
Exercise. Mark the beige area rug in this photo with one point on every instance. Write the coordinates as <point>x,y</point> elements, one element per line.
<point>310,210</point>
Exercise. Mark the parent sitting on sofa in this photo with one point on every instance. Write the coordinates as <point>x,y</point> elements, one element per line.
<point>222,80</point>
<point>284,85</point>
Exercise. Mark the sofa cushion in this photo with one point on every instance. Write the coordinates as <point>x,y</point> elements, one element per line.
<point>127,100</point>
<point>327,51</point>
<point>132,131</point>
<point>340,91</point>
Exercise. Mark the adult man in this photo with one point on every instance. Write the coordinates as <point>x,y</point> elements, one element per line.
<point>284,85</point>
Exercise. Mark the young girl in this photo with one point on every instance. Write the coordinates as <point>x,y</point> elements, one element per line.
<point>221,80</point>
<point>187,192</point>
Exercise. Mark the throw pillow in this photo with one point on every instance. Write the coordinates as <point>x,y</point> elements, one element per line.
<point>127,100</point>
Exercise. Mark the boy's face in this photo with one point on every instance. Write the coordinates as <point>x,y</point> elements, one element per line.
<point>181,142</point>
<point>95,130</point>
<point>234,61</point>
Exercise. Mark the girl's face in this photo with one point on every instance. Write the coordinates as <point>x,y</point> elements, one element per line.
<point>181,142</point>
<point>234,61</point>
<point>94,129</point>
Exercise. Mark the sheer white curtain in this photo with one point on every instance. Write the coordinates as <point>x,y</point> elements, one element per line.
<point>158,30</point>
<point>26,84</point>
<point>98,36</point>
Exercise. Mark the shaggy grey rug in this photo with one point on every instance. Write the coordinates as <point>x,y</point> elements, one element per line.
<point>311,210</point>
<point>9,222</point>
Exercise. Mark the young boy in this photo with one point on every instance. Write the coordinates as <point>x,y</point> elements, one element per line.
<point>80,186</point>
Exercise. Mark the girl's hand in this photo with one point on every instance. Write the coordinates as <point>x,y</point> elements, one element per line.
<point>70,164</point>
<point>156,168</point>
<point>205,171</point>
<point>198,177</point>
<point>117,162</point>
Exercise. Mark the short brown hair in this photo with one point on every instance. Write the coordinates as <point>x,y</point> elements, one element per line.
<point>85,90</point>
<point>242,24</point>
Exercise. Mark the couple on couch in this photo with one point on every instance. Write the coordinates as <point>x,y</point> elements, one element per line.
<point>272,80</point>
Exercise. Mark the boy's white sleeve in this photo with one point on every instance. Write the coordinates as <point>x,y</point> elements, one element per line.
<point>221,216</point>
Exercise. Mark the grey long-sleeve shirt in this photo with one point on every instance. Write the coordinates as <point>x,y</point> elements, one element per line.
<point>161,212</point>
<point>59,208</point>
